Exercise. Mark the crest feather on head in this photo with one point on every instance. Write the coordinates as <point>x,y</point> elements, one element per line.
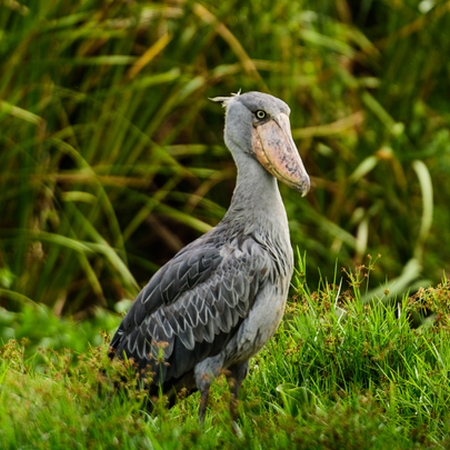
<point>224,99</point>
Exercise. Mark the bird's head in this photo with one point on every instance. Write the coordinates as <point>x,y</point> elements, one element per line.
<point>258,124</point>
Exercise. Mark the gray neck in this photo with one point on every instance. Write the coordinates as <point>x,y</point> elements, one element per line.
<point>256,205</point>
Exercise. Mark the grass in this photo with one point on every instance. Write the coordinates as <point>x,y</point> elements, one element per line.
<point>338,374</point>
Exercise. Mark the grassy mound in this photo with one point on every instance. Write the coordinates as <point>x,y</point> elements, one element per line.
<point>338,374</point>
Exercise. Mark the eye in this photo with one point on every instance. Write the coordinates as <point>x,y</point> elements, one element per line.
<point>260,114</point>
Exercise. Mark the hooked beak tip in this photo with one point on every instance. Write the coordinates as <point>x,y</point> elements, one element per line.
<point>305,186</point>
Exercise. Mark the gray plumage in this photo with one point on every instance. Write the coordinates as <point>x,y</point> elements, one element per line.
<point>218,301</point>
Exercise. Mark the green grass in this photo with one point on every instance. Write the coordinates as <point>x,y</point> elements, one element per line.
<point>338,374</point>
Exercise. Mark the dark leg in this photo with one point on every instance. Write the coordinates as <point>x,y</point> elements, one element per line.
<point>205,374</point>
<point>235,377</point>
<point>203,404</point>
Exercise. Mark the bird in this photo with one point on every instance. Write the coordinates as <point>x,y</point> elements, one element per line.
<point>218,301</point>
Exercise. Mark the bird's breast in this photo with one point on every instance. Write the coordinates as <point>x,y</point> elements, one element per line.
<point>261,323</point>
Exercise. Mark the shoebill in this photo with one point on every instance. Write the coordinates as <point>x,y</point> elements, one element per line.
<point>218,301</point>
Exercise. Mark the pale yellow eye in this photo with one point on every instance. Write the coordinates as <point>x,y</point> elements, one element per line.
<point>260,114</point>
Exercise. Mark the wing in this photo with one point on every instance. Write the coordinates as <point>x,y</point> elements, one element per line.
<point>192,306</point>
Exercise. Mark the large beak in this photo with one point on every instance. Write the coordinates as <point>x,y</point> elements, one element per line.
<point>277,153</point>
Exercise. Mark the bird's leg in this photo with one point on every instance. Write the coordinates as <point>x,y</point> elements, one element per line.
<point>205,373</point>
<point>235,377</point>
<point>203,405</point>
<point>204,381</point>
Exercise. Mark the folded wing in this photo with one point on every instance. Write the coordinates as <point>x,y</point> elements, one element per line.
<point>192,307</point>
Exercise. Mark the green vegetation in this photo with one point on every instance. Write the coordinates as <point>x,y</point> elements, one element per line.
<point>112,159</point>
<point>338,374</point>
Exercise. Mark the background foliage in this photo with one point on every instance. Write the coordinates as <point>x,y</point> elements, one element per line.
<point>112,157</point>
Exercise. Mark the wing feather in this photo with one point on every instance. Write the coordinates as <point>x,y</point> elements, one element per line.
<point>194,305</point>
